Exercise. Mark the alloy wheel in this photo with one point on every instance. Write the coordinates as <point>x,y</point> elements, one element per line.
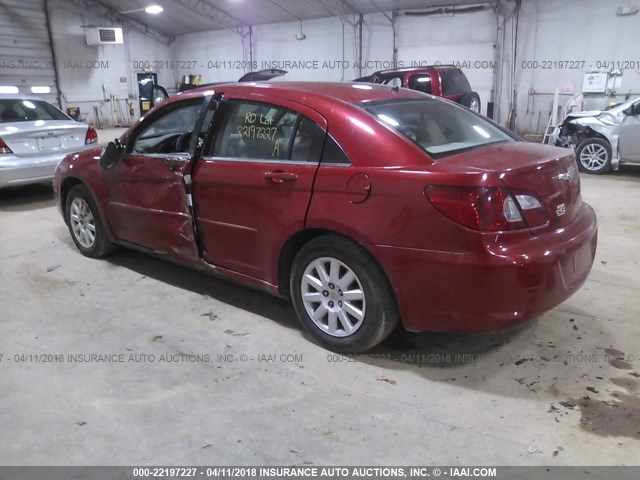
<point>594,156</point>
<point>333,297</point>
<point>82,223</point>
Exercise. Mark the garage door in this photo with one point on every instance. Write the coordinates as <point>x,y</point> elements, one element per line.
<point>26,61</point>
<point>466,41</point>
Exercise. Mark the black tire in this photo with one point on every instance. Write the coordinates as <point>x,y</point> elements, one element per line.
<point>471,98</point>
<point>380,309</point>
<point>592,145</point>
<point>101,246</point>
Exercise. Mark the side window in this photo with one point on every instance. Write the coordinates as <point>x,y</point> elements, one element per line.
<point>307,143</point>
<point>170,131</point>
<point>254,130</point>
<point>454,81</point>
<point>421,82</point>
<point>333,153</point>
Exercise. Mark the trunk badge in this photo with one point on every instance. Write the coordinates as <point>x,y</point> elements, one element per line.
<point>564,176</point>
<point>561,209</point>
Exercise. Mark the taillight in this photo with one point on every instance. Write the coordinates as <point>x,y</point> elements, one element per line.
<point>3,147</point>
<point>91,137</point>
<point>535,213</point>
<point>487,208</point>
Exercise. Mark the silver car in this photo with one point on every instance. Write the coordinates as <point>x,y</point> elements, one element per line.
<point>602,139</point>
<point>34,137</point>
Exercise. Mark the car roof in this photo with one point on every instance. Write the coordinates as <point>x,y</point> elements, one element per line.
<point>349,92</point>
<point>18,96</point>
<point>417,68</point>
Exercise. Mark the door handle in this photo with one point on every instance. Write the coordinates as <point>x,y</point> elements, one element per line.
<point>279,176</point>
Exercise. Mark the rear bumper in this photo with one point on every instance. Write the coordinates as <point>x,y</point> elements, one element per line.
<point>497,285</point>
<point>16,170</point>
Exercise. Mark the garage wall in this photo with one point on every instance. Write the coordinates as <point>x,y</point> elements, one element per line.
<point>330,43</point>
<point>88,75</point>
<point>466,40</point>
<point>585,31</point>
<point>581,31</point>
<point>26,60</point>
<point>199,52</point>
<point>219,54</point>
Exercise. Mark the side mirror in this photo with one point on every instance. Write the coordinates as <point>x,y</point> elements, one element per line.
<point>111,155</point>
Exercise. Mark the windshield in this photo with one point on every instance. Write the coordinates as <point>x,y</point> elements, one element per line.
<point>24,110</point>
<point>439,127</point>
<point>622,107</point>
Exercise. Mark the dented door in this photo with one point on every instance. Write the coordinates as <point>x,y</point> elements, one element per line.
<point>148,203</point>
<point>149,188</point>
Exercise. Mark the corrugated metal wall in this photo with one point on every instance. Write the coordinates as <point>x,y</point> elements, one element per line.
<point>25,53</point>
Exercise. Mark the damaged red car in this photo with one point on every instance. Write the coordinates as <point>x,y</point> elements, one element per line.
<point>365,205</point>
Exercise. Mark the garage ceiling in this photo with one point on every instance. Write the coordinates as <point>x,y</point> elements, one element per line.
<point>186,16</point>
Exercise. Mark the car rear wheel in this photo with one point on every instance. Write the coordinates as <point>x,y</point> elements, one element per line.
<point>471,100</point>
<point>594,156</point>
<point>85,225</point>
<point>341,296</point>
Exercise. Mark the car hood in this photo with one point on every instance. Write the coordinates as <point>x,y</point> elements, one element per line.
<point>595,117</point>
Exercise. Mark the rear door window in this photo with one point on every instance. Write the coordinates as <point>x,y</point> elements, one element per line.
<point>333,153</point>
<point>420,82</point>
<point>253,130</point>
<point>261,131</point>
<point>307,142</point>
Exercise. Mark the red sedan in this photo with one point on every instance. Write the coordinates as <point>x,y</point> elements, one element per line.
<point>364,204</point>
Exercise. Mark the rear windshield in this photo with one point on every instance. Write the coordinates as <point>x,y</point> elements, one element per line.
<point>439,127</point>
<point>22,110</point>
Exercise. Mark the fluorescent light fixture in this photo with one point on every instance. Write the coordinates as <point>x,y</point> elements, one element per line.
<point>389,120</point>
<point>41,89</point>
<point>8,89</point>
<point>481,131</point>
<point>154,9</point>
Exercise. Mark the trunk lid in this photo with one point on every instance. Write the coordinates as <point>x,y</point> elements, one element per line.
<point>550,173</point>
<point>43,137</point>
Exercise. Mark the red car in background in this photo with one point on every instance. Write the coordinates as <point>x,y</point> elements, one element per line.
<point>363,204</point>
<point>445,81</point>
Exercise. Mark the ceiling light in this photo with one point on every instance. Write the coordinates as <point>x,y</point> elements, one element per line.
<point>42,89</point>
<point>154,9</point>
<point>8,89</point>
<point>301,35</point>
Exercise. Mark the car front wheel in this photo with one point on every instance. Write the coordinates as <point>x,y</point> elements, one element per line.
<point>85,225</point>
<point>341,295</point>
<point>594,156</point>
